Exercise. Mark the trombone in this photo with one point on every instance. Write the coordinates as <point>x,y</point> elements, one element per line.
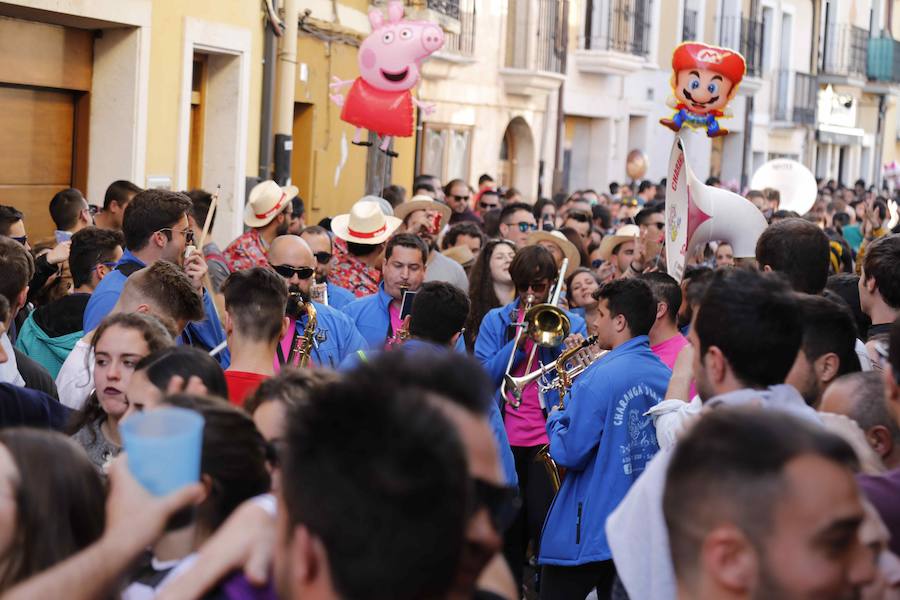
<point>565,375</point>
<point>546,325</point>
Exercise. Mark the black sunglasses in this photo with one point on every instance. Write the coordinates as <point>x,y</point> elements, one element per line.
<point>502,502</point>
<point>288,271</point>
<point>22,239</point>
<point>460,198</point>
<point>596,263</point>
<point>323,257</point>
<point>579,216</point>
<point>488,206</point>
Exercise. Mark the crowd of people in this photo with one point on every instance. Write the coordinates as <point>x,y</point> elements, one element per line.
<point>455,394</point>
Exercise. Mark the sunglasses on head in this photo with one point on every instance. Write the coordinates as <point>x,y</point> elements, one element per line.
<point>288,271</point>
<point>323,257</point>
<point>501,502</point>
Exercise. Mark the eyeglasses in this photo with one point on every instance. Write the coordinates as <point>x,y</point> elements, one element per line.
<point>187,232</point>
<point>288,271</point>
<point>502,502</point>
<point>538,287</point>
<point>460,198</point>
<point>22,239</point>
<point>322,257</point>
<point>524,226</point>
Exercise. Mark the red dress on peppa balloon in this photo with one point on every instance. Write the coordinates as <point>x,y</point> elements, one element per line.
<point>381,111</point>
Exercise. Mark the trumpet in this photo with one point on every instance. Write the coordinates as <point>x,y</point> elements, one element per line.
<point>564,376</point>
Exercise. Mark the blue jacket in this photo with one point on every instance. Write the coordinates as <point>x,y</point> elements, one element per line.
<point>370,314</point>
<point>507,462</point>
<point>495,342</point>
<point>208,332</point>
<point>339,297</point>
<point>335,339</point>
<point>604,441</point>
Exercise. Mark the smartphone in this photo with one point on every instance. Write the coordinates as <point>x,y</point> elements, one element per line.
<point>407,304</point>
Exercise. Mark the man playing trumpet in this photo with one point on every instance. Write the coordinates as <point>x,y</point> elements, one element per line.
<point>603,440</point>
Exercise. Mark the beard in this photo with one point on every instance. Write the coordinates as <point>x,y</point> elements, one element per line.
<point>297,300</point>
<point>283,228</point>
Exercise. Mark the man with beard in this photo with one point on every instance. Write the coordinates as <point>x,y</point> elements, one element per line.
<point>764,505</point>
<point>335,335</point>
<point>378,316</point>
<point>267,214</point>
<point>156,227</point>
<point>322,246</point>
<point>425,218</point>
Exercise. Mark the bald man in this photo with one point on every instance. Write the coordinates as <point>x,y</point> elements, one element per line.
<point>335,335</point>
<point>860,396</point>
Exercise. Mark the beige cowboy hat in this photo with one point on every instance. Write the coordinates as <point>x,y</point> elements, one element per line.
<point>422,202</point>
<point>364,224</point>
<point>267,200</point>
<point>625,233</point>
<point>562,242</point>
<point>461,254</point>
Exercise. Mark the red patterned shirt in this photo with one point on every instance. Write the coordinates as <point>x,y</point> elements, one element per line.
<point>248,250</point>
<point>351,273</point>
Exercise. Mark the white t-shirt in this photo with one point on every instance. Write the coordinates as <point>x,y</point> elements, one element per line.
<point>75,380</point>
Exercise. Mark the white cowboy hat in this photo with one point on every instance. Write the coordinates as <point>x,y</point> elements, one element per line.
<point>562,242</point>
<point>364,224</point>
<point>625,233</point>
<point>422,202</point>
<point>267,200</point>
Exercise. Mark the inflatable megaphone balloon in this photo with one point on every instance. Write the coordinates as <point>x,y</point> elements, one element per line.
<point>795,184</point>
<point>697,214</point>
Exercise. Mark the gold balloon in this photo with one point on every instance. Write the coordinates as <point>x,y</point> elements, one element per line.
<point>636,164</point>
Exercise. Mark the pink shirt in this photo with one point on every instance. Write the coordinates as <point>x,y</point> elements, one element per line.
<point>527,425</point>
<point>396,322</point>
<point>668,351</point>
<point>286,343</point>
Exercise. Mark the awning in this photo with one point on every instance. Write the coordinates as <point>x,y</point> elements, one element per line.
<point>839,136</point>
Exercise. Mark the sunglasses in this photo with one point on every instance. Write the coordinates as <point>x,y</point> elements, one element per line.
<point>288,271</point>
<point>488,206</point>
<point>22,239</point>
<point>525,227</point>
<point>597,263</point>
<point>460,198</point>
<point>501,502</point>
<point>323,257</point>
<point>538,287</point>
<point>579,216</point>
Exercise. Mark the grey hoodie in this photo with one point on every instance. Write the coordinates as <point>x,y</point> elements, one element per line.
<point>637,528</point>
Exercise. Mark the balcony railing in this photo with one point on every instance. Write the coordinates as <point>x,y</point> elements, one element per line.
<point>537,44</point>
<point>746,36</point>
<point>794,97</point>
<point>884,59</point>
<point>844,50</point>
<point>445,7</point>
<point>463,43</point>
<point>620,25</point>
<point>689,26</point>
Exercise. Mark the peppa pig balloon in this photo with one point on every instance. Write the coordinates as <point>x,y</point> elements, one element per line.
<point>380,99</point>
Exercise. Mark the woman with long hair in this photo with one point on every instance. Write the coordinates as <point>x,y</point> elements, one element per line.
<point>119,343</point>
<point>490,285</point>
<point>52,502</point>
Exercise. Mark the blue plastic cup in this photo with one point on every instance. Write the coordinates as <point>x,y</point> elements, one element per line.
<point>164,447</point>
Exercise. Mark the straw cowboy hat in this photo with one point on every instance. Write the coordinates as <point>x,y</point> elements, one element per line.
<point>267,200</point>
<point>364,224</point>
<point>461,254</point>
<point>422,202</point>
<point>562,242</point>
<point>626,233</point>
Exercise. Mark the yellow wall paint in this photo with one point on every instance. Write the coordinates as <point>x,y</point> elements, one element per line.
<point>324,60</point>
<point>166,45</point>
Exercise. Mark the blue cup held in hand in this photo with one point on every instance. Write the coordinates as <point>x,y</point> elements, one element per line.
<point>163,448</point>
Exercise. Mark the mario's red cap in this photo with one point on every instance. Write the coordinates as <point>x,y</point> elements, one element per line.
<point>725,62</point>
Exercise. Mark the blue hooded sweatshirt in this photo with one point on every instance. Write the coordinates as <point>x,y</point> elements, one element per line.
<point>604,441</point>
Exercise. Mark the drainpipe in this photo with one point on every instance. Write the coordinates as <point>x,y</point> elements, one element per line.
<point>268,93</point>
<point>879,142</point>
<point>286,76</point>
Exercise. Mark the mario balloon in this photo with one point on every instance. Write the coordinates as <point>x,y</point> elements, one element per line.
<point>704,80</point>
<point>389,60</point>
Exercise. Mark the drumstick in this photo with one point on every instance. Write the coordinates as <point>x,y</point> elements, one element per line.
<point>209,215</point>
